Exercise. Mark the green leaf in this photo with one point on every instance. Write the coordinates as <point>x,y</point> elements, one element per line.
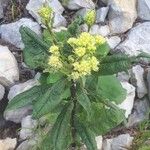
<point>43,78</point>
<point>36,51</point>
<point>103,118</point>
<point>50,99</point>
<point>103,49</point>
<point>84,101</point>
<point>59,138</point>
<point>87,136</point>
<point>47,37</point>
<point>27,97</point>
<point>54,77</point>
<point>110,88</point>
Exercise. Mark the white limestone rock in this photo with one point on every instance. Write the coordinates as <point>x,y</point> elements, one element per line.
<point>118,143</point>
<point>122,14</point>
<point>113,41</point>
<point>8,144</point>
<point>9,72</point>
<point>101,30</point>
<point>27,127</point>
<point>2,92</point>
<point>137,79</point>
<point>143,9</point>
<point>34,6</point>
<point>140,112</point>
<point>101,14</point>
<point>18,114</point>
<point>10,32</point>
<point>138,39</point>
<point>127,104</point>
<point>77,4</point>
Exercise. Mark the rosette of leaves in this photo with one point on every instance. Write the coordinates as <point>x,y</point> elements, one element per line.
<point>84,108</point>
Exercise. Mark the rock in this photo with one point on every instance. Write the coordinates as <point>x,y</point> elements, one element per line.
<point>10,32</point>
<point>101,14</point>
<point>2,92</point>
<point>113,41</point>
<point>27,127</point>
<point>122,14</point>
<point>18,114</point>
<point>8,144</point>
<point>1,11</point>
<point>127,104</point>
<point>77,4</point>
<point>121,142</point>
<point>59,21</point>
<point>27,145</point>
<point>137,74</point>
<point>33,7</point>
<point>82,12</point>
<point>99,141</point>
<point>137,40</point>
<point>101,30</point>
<point>9,72</point>
<point>84,28</point>
<point>143,9</point>
<point>140,112</point>
<point>123,76</point>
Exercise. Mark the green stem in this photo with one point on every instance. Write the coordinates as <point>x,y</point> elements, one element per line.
<point>73,130</point>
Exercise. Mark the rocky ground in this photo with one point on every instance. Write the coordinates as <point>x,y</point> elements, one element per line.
<point>126,26</point>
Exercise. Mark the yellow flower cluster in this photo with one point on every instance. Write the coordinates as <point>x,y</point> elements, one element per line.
<point>90,17</point>
<point>84,49</point>
<point>86,43</point>
<point>45,13</point>
<point>54,60</point>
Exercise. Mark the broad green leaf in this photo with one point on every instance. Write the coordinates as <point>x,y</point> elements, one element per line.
<point>108,87</point>
<point>36,51</point>
<point>43,78</point>
<point>84,101</point>
<point>54,77</point>
<point>27,97</point>
<point>59,138</point>
<point>103,49</point>
<point>103,118</point>
<point>50,99</point>
<point>87,136</point>
<point>47,37</point>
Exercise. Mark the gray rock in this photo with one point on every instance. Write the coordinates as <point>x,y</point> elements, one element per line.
<point>101,14</point>
<point>123,76</point>
<point>27,145</point>
<point>59,20</point>
<point>101,30</point>
<point>2,92</point>
<point>84,28</point>
<point>127,104</point>
<point>1,10</point>
<point>122,14</point>
<point>8,144</point>
<point>10,32</point>
<point>137,40</point>
<point>113,41</point>
<point>9,72</point>
<point>77,4</point>
<point>137,74</point>
<point>34,6</point>
<point>121,142</point>
<point>140,112</point>
<point>18,114</point>
<point>27,127</point>
<point>143,9</point>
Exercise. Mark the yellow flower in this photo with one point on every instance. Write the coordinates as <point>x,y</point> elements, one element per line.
<point>90,17</point>
<point>55,62</point>
<point>94,63</point>
<point>54,50</point>
<point>75,75</point>
<point>72,41</point>
<point>80,51</point>
<point>100,39</point>
<point>45,12</point>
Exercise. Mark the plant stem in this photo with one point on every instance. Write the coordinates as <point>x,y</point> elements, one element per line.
<point>73,130</point>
